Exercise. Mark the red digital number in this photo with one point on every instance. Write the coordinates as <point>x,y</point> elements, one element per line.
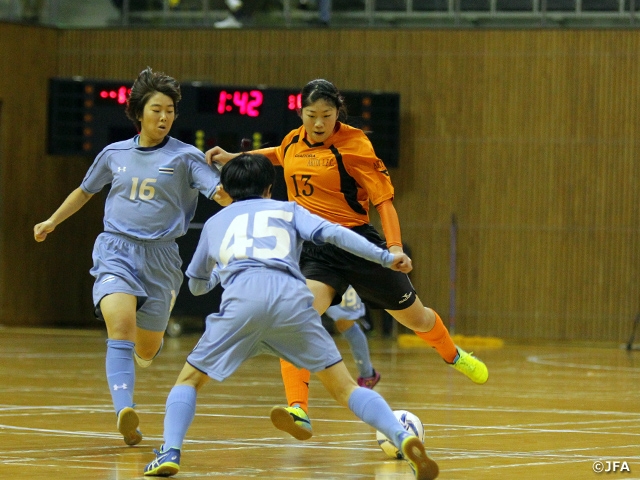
<point>255,103</point>
<point>294,101</point>
<point>119,95</point>
<point>247,103</point>
<point>222,102</point>
<point>240,100</point>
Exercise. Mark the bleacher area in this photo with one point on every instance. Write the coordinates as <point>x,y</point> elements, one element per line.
<point>346,13</point>
<point>411,13</point>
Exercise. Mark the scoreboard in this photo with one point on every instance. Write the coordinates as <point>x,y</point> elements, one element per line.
<point>86,115</point>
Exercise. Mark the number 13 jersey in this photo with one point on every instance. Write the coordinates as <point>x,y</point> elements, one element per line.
<point>335,179</point>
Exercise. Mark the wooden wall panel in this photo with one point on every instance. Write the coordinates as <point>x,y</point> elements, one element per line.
<point>40,284</point>
<point>527,136</point>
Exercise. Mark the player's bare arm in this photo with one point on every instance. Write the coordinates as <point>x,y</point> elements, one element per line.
<point>74,202</point>
<point>218,155</point>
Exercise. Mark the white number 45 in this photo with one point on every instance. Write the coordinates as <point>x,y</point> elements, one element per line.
<point>237,239</point>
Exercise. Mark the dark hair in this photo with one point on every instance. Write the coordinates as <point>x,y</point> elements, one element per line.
<point>247,175</point>
<point>146,85</point>
<point>323,89</point>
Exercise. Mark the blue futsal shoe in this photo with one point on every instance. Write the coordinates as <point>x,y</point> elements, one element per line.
<point>165,464</point>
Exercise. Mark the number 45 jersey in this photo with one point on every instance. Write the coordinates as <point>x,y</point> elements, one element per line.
<point>264,233</point>
<point>154,190</point>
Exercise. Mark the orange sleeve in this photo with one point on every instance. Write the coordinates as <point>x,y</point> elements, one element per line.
<point>362,164</point>
<point>276,154</point>
<point>390,223</point>
<point>270,153</point>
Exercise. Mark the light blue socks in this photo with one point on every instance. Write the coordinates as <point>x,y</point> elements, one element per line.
<point>360,350</point>
<point>121,372</point>
<point>372,409</point>
<point>179,413</point>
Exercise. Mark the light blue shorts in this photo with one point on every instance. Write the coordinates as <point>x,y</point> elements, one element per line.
<point>264,311</point>
<point>149,270</point>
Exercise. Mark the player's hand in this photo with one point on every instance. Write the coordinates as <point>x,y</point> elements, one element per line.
<point>401,263</point>
<point>41,230</point>
<point>222,197</point>
<point>218,155</point>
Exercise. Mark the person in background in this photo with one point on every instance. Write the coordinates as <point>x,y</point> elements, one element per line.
<point>324,11</point>
<point>252,248</point>
<point>332,170</point>
<point>237,12</point>
<point>155,182</point>
<point>32,10</point>
<point>346,316</point>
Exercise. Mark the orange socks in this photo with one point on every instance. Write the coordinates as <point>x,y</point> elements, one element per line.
<point>296,384</point>
<point>438,337</point>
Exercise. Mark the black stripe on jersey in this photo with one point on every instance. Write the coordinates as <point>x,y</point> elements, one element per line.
<point>311,145</point>
<point>293,140</point>
<point>348,185</point>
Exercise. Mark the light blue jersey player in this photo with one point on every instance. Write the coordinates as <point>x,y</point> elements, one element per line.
<point>252,248</point>
<point>155,182</point>
<point>346,316</point>
<point>153,197</point>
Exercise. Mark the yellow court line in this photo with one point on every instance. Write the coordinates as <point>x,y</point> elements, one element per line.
<point>407,340</point>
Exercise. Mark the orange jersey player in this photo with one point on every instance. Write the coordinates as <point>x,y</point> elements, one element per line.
<point>332,170</point>
<point>337,183</point>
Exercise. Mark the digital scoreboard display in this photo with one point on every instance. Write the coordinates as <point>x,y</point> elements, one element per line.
<point>86,115</point>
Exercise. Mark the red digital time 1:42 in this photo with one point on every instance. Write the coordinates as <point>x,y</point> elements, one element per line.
<point>248,102</point>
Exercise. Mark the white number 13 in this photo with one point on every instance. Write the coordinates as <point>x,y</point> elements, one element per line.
<point>237,239</point>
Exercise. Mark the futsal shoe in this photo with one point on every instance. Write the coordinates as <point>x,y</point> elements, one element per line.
<point>142,363</point>
<point>413,452</point>
<point>369,382</point>
<point>128,426</point>
<point>165,464</point>
<point>473,368</point>
<point>292,420</point>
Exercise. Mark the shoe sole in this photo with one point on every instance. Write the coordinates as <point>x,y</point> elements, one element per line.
<point>165,470</point>
<point>414,452</point>
<point>283,420</point>
<point>128,422</point>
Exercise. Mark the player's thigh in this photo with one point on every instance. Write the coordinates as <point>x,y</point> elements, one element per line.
<point>323,295</point>
<point>119,313</point>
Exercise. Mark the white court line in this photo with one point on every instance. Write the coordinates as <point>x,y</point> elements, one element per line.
<point>550,360</point>
<point>538,458</point>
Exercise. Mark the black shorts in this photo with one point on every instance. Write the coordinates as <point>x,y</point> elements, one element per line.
<point>377,286</point>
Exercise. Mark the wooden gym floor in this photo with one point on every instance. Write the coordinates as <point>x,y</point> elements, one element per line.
<point>547,412</point>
